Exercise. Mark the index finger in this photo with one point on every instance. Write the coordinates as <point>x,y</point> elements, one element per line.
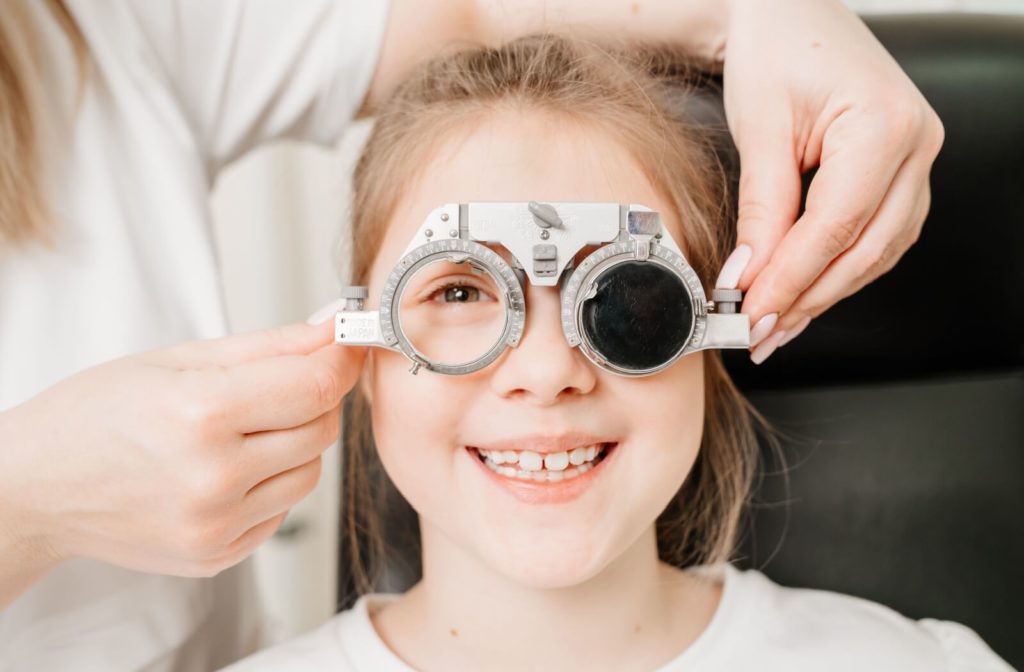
<point>291,339</point>
<point>844,194</point>
<point>289,391</point>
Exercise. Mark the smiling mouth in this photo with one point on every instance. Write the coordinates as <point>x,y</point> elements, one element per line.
<point>526,465</point>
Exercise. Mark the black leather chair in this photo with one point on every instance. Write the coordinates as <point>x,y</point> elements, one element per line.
<point>903,406</point>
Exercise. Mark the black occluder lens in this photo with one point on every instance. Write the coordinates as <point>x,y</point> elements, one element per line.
<point>640,317</point>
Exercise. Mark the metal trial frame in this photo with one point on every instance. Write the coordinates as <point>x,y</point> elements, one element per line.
<point>543,238</point>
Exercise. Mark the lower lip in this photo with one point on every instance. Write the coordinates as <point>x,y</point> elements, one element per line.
<point>550,492</point>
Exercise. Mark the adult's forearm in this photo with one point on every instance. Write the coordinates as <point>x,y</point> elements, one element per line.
<point>417,30</point>
<point>22,563</point>
<point>24,556</point>
<point>698,26</point>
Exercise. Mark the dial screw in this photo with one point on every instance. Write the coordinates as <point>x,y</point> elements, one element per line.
<point>453,234</point>
<point>544,235</point>
<point>444,216</point>
<point>428,233</point>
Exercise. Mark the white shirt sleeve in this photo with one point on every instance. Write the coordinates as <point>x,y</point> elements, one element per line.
<point>249,71</point>
<point>965,651</point>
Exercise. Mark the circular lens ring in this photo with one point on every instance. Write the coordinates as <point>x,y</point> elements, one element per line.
<point>636,315</point>
<point>587,273</point>
<point>491,262</point>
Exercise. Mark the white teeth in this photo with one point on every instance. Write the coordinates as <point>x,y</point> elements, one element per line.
<point>530,461</point>
<point>556,461</point>
<point>533,466</point>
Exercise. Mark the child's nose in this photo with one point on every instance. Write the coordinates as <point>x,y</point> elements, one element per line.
<point>543,369</point>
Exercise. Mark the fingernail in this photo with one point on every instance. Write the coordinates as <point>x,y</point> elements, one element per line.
<point>763,327</point>
<point>795,331</point>
<point>734,266</point>
<point>326,312</point>
<point>763,351</point>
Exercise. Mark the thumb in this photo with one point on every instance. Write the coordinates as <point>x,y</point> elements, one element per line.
<point>344,361</point>
<point>769,199</point>
<point>292,339</point>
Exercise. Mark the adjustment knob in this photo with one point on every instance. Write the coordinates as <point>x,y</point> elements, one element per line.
<point>726,300</point>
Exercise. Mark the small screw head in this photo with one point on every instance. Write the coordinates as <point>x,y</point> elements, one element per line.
<point>428,233</point>
<point>544,235</point>
<point>657,236</point>
<point>444,216</point>
<point>453,234</point>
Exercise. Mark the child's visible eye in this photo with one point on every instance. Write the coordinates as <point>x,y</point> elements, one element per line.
<point>461,294</point>
<point>459,291</point>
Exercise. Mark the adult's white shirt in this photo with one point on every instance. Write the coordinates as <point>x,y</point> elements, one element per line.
<point>175,90</point>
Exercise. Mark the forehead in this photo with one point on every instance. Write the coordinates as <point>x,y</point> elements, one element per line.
<point>517,155</point>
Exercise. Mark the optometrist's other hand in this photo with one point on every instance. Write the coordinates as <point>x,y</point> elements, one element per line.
<point>806,84</point>
<point>177,461</point>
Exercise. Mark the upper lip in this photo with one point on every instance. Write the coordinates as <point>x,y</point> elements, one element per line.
<point>543,443</point>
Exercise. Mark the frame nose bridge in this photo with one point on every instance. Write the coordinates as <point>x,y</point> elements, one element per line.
<point>543,366</point>
<point>543,312</point>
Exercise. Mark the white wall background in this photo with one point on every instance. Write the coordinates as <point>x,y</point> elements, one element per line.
<point>279,216</point>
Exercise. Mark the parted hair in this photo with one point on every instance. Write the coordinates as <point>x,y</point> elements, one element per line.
<point>637,96</point>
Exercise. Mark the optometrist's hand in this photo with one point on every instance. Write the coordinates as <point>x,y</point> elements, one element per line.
<point>177,461</point>
<point>806,84</point>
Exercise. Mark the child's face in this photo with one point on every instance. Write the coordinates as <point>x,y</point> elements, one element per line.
<point>541,396</point>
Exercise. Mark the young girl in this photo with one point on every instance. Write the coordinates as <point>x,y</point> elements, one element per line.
<point>616,566</point>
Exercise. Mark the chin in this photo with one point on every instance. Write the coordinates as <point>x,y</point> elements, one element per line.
<point>548,566</point>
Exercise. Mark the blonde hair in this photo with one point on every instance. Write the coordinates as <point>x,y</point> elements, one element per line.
<point>23,211</point>
<point>629,94</point>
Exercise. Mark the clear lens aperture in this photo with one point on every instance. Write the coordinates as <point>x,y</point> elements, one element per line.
<point>452,313</point>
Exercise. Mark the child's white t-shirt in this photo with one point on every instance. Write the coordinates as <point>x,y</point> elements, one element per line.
<point>759,625</point>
